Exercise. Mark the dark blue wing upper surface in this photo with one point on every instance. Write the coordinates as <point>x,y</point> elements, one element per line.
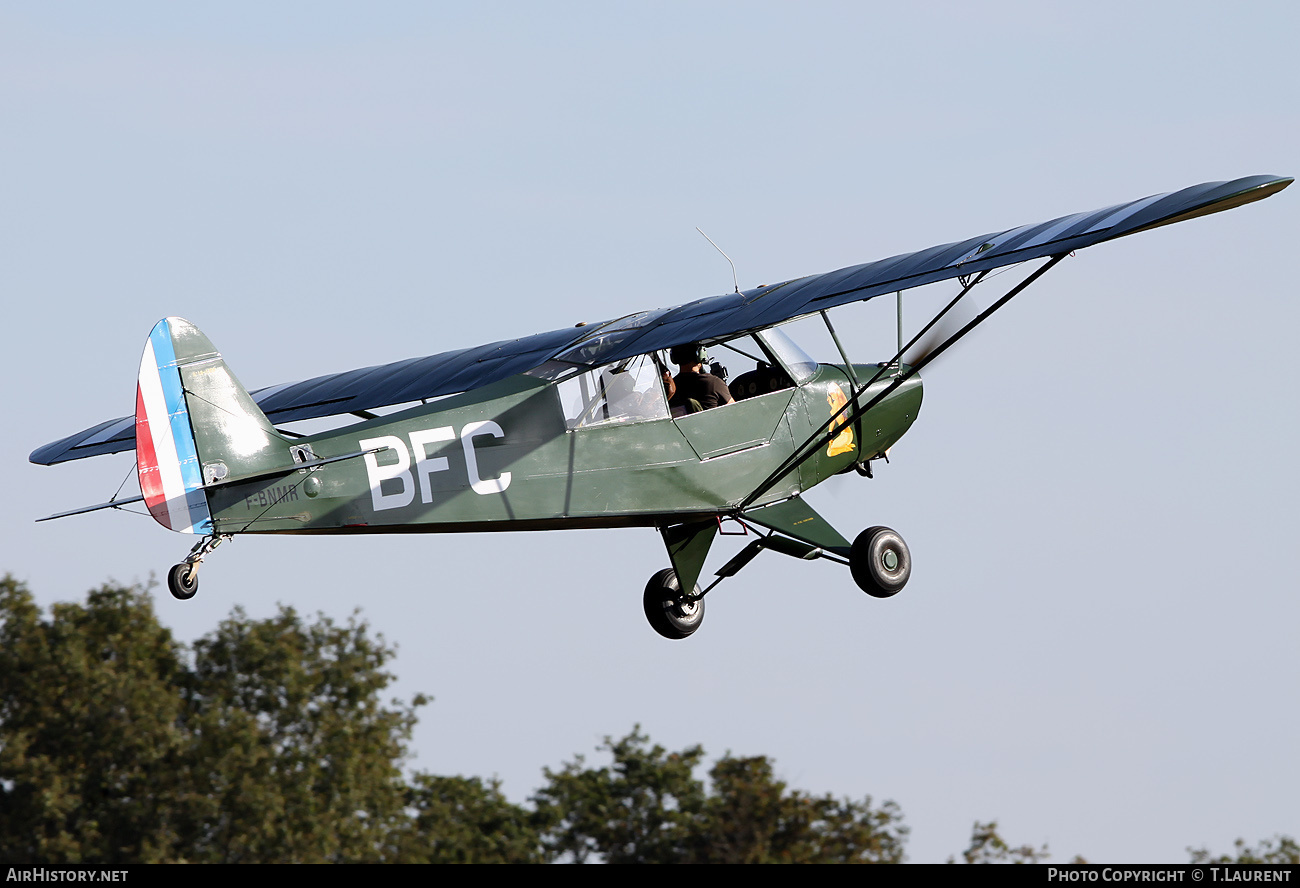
<point>704,319</point>
<point>763,307</point>
<point>410,380</point>
<point>354,390</point>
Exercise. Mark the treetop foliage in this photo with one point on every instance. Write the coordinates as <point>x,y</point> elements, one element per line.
<point>270,741</point>
<point>986,846</point>
<point>1279,849</point>
<point>649,807</point>
<point>267,741</point>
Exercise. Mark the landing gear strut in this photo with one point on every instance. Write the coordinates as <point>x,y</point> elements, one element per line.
<point>670,613</point>
<point>880,562</point>
<point>183,578</point>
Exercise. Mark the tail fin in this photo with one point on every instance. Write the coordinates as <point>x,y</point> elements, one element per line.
<point>194,425</point>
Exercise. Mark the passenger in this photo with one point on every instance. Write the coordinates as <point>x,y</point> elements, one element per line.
<point>693,384</point>
<point>669,386</point>
<point>621,399</point>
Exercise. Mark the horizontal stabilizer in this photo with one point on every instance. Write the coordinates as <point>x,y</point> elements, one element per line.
<point>111,504</point>
<point>225,482</point>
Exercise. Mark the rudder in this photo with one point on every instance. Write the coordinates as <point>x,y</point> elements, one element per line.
<point>194,425</point>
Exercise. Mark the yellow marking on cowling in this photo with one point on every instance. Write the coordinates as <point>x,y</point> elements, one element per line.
<point>843,442</point>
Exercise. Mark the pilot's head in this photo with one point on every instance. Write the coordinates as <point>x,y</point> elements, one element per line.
<point>688,355</point>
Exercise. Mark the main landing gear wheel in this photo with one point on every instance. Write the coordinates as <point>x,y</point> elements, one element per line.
<point>668,612</point>
<point>880,562</point>
<point>183,580</point>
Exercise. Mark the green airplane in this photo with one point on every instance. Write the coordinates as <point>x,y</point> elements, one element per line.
<point>626,423</point>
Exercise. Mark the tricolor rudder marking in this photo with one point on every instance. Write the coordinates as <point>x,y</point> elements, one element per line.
<point>166,459</point>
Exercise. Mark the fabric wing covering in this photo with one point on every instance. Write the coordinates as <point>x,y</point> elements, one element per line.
<point>706,319</point>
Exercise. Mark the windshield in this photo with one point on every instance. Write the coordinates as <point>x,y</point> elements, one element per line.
<point>796,361</point>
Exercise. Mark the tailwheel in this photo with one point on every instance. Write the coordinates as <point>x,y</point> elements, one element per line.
<point>183,580</point>
<point>670,613</point>
<point>880,562</point>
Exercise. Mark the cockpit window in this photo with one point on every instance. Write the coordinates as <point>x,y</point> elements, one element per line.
<point>626,391</point>
<point>632,390</point>
<point>783,348</point>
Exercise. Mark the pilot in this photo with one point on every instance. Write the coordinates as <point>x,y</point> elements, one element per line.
<point>693,384</point>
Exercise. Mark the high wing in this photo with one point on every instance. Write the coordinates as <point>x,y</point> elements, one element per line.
<point>706,319</point>
<point>349,392</point>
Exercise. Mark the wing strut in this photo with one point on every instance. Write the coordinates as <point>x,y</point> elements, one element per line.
<point>833,426</point>
<point>848,365</point>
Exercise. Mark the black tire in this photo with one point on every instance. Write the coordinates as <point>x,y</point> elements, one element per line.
<point>880,562</point>
<point>668,614</point>
<point>183,581</point>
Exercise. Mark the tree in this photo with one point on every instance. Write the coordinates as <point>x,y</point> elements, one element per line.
<point>648,807</point>
<point>464,820</point>
<point>91,730</point>
<point>638,811</point>
<point>295,757</point>
<point>751,817</point>
<point>268,743</point>
<point>986,846</point>
<point>1279,849</point>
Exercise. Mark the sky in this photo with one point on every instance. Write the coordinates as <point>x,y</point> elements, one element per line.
<point>1097,647</point>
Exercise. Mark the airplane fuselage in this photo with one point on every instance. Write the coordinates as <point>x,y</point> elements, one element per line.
<point>504,458</point>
